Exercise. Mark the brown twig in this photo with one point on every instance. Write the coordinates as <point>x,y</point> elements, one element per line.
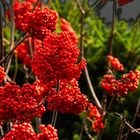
<point>121,128</point>
<point>21,38</point>
<point>110,41</point>
<point>18,42</point>
<point>12,31</point>
<point>86,127</point>
<point>136,114</point>
<point>112,27</point>
<point>82,56</point>
<point>16,67</point>
<point>130,126</point>
<point>55,112</point>
<point>35,5</point>
<point>1,37</point>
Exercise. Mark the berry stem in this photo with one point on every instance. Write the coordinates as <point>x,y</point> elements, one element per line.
<point>1,37</point>
<point>82,56</point>
<point>55,112</point>
<point>1,131</point>
<point>12,31</point>
<point>112,27</point>
<point>136,114</point>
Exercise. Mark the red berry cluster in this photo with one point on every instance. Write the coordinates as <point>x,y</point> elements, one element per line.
<point>57,59</point>
<point>95,118</point>
<point>43,22</point>
<point>19,104</point>
<point>2,74</point>
<point>123,2</point>
<point>131,80</point>
<point>38,23</point>
<point>48,133</point>
<point>23,54</point>
<point>21,132</point>
<point>42,89</point>
<point>26,132</point>
<point>23,51</point>
<point>128,82</point>
<point>21,11</point>
<point>68,100</point>
<point>66,26</point>
<point>115,63</point>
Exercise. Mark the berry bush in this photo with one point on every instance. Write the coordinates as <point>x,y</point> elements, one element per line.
<point>64,74</point>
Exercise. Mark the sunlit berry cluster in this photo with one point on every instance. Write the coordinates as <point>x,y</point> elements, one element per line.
<point>25,131</point>
<point>21,11</point>
<point>56,66</point>
<point>68,100</point>
<point>43,22</point>
<point>47,133</point>
<point>2,74</point>
<point>128,82</point>
<point>95,118</point>
<point>38,23</point>
<point>57,59</point>
<point>115,63</point>
<point>23,54</point>
<point>21,132</point>
<point>66,26</point>
<point>25,49</point>
<point>19,104</point>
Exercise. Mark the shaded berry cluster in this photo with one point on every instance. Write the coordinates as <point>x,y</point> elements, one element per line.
<point>128,82</point>
<point>95,118</point>
<point>66,26</point>
<point>47,133</point>
<point>68,100</point>
<point>38,23</point>
<point>123,2</point>
<point>2,74</point>
<point>19,104</point>
<point>57,59</point>
<point>115,63</point>
<point>25,131</point>
<point>25,49</point>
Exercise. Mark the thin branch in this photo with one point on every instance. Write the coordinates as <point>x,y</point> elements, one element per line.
<point>1,37</point>
<point>86,128</point>
<point>135,64</point>
<point>21,38</point>
<point>82,56</point>
<point>136,114</point>
<point>112,27</point>
<point>130,126</point>
<point>80,7</point>
<point>55,112</point>
<point>16,67</point>
<point>92,90</point>
<point>12,30</point>
<point>121,128</point>
<point>81,133</point>
<point>1,131</point>
<point>18,42</point>
<point>35,5</point>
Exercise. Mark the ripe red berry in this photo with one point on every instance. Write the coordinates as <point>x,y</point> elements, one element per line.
<point>68,100</point>
<point>123,2</point>
<point>2,74</point>
<point>115,63</point>
<point>95,118</point>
